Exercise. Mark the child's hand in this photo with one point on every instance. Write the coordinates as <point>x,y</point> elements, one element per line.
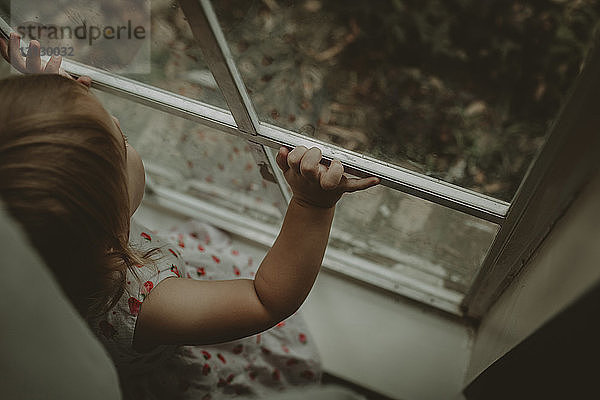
<point>11,52</point>
<point>313,183</point>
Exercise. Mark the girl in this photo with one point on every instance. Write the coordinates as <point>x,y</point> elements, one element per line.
<point>69,176</point>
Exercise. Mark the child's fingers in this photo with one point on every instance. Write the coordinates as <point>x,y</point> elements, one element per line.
<point>53,65</point>
<point>85,81</point>
<point>332,177</point>
<point>282,159</point>
<point>309,165</point>
<point>62,72</point>
<point>354,184</point>
<point>295,156</point>
<point>14,52</point>
<point>33,63</point>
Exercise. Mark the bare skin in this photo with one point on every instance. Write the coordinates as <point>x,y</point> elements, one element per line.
<point>219,311</point>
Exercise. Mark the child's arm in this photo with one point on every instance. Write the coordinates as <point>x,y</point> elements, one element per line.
<point>187,311</point>
<point>289,269</point>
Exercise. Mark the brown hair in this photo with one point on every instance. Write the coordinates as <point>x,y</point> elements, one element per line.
<point>62,176</point>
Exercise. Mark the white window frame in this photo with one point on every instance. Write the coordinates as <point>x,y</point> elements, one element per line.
<point>567,160</point>
<point>523,222</point>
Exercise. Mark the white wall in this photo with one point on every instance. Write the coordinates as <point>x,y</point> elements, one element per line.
<point>373,338</point>
<point>384,343</point>
<point>565,265</point>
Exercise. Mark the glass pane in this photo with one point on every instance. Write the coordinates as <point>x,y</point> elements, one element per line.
<point>413,237</point>
<point>197,160</point>
<point>463,91</point>
<point>154,44</point>
<point>408,235</point>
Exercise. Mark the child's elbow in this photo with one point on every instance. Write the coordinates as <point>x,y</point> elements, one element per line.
<point>277,306</point>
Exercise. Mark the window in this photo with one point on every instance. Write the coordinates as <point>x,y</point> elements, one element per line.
<point>451,131</point>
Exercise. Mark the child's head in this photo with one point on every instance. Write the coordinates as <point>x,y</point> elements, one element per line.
<point>68,176</point>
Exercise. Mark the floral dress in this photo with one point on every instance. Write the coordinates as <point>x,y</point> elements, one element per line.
<point>281,357</point>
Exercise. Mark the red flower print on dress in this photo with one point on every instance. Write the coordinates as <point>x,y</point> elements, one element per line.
<point>205,369</point>
<point>206,354</point>
<point>236,270</point>
<point>235,252</point>
<point>107,329</point>
<point>147,287</point>
<point>146,236</point>
<point>220,357</point>
<point>216,259</point>
<point>281,324</point>
<point>175,270</point>
<point>200,247</point>
<point>201,271</point>
<point>134,305</point>
<point>180,242</point>
<point>173,252</point>
<point>302,338</point>
<point>285,348</point>
<point>238,349</point>
<point>276,374</point>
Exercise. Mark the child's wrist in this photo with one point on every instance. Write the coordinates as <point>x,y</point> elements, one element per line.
<point>311,205</point>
